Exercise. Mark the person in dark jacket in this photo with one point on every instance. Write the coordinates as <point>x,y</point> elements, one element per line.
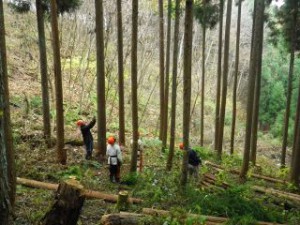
<point>87,136</point>
<point>194,161</point>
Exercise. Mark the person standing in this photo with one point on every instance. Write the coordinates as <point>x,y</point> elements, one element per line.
<point>114,160</point>
<point>194,161</point>
<point>87,136</point>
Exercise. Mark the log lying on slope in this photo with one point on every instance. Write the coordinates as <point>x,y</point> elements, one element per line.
<point>86,193</point>
<point>209,219</point>
<point>210,179</point>
<point>270,179</point>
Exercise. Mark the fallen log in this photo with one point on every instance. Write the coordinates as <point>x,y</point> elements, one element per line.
<point>67,206</point>
<point>127,218</point>
<point>209,219</point>
<point>270,179</point>
<point>87,193</point>
<point>121,219</point>
<point>286,195</point>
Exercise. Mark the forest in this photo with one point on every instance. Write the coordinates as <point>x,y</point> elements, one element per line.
<point>163,112</point>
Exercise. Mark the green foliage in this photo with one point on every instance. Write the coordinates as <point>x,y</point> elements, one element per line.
<point>206,13</point>
<point>130,178</point>
<point>71,172</point>
<point>280,22</point>
<point>20,6</point>
<point>274,90</point>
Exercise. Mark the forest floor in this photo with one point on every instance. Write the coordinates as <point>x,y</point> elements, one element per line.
<point>158,188</point>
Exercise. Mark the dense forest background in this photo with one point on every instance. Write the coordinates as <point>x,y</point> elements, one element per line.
<point>78,45</point>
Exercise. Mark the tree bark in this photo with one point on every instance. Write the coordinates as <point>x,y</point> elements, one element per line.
<point>7,166</point>
<point>236,72</point>
<point>219,74</point>
<point>101,103</point>
<point>187,77</point>
<point>134,85</point>
<point>161,65</point>
<point>167,83</point>
<point>174,86</point>
<point>258,9</point>
<point>225,76</point>
<point>44,72</point>
<point>61,152</point>
<point>260,38</point>
<point>290,82</point>
<point>67,206</point>
<point>121,75</point>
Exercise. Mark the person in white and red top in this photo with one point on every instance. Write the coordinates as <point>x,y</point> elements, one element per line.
<point>114,160</point>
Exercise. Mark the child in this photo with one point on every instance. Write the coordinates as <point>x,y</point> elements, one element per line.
<point>87,136</point>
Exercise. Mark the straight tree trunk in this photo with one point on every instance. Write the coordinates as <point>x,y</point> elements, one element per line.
<point>7,166</point>
<point>44,72</point>
<point>219,74</point>
<point>121,75</point>
<point>290,84</point>
<point>295,162</point>
<point>187,77</point>
<point>101,103</point>
<point>258,16</point>
<point>161,65</point>
<point>134,85</point>
<point>237,59</point>
<point>202,86</point>
<point>61,152</point>
<point>167,83</point>
<point>225,76</point>
<point>174,86</point>
<point>253,144</point>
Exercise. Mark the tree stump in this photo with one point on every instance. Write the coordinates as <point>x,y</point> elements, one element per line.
<point>67,206</point>
<point>123,201</point>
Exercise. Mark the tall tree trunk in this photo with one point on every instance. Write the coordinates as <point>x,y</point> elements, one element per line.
<point>44,72</point>
<point>134,85</point>
<point>187,77</point>
<point>219,74</point>
<point>253,142</point>
<point>290,85</point>
<point>258,17</point>
<point>167,83</point>
<point>174,86</point>
<point>295,162</point>
<point>101,103</point>
<point>225,75</point>
<point>61,152</point>
<point>236,72</point>
<point>121,75</point>
<point>7,166</point>
<point>202,86</point>
<point>161,65</point>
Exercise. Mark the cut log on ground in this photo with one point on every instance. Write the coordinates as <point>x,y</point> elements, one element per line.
<point>208,178</point>
<point>127,218</point>
<point>209,219</point>
<point>67,206</point>
<point>122,219</point>
<point>86,193</point>
<point>270,179</point>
